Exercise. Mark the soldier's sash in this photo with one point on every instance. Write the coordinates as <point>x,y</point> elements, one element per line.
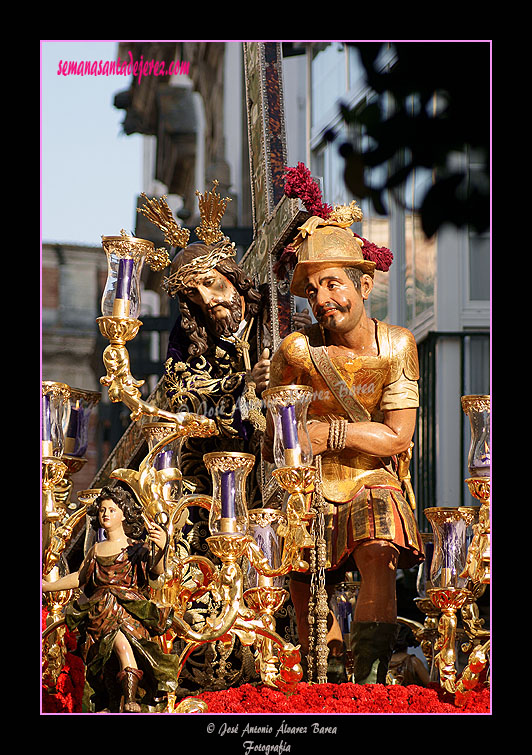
<point>339,388</point>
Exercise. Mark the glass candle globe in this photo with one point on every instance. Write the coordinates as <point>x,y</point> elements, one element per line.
<point>288,406</point>
<point>169,455</point>
<point>54,401</point>
<point>229,470</point>
<point>125,259</point>
<point>76,418</point>
<point>477,408</point>
<point>450,545</point>
<point>263,526</point>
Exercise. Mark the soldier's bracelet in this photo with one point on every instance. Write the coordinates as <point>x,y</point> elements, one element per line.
<point>337,434</point>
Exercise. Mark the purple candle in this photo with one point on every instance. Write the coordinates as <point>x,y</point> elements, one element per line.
<point>163,460</point>
<point>73,422</point>
<point>228,495</point>
<point>292,450</point>
<point>47,444</point>
<point>123,282</point>
<point>121,303</point>
<point>82,437</point>
<point>289,426</point>
<point>72,431</point>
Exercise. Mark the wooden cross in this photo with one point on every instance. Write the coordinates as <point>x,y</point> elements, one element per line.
<point>275,220</point>
<point>275,216</point>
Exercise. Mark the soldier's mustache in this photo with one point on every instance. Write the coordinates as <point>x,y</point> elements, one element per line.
<point>323,310</point>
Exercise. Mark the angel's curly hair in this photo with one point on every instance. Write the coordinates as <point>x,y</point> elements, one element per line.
<point>133,523</point>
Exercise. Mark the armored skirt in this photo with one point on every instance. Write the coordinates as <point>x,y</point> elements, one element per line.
<point>375,513</point>
<point>115,598</point>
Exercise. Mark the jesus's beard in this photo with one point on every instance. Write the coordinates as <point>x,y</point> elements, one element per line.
<point>225,326</point>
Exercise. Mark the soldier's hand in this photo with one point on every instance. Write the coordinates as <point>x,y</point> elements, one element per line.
<point>301,319</point>
<point>261,372</point>
<point>319,434</point>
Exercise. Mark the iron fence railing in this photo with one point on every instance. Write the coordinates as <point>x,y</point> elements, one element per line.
<point>474,377</point>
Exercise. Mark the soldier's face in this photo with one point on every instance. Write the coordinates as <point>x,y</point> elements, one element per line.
<point>218,299</point>
<point>336,302</point>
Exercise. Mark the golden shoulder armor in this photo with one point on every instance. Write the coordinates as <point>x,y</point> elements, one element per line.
<point>403,354</point>
<point>290,361</point>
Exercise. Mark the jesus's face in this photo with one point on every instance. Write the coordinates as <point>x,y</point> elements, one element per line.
<point>219,301</point>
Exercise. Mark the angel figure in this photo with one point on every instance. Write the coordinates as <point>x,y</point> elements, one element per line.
<point>117,622</point>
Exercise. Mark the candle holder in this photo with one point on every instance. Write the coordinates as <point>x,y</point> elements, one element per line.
<point>76,418</point>
<point>76,421</point>
<point>449,591</point>
<point>428,637</point>
<point>292,451</point>
<point>477,408</point>
<point>54,399</point>
<point>126,256</point>
<point>477,568</point>
<point>54,567</point>
<point>229,470</point>
<point>265,527</point>
<point>288,405</point>
<point>167,439</point>
<point>450,551</point>
<point>54,402</point>
<point>265,595</point>
<point>343,606</point>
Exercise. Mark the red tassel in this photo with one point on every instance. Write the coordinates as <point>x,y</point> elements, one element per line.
<point>378,254</point>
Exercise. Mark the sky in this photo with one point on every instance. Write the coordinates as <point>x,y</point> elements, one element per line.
<point>91,172</point>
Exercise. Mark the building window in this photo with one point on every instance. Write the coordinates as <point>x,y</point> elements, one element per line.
<point>420,252</point>
<point>479,267</point>
<point>376,229</point>
<point>328,71</point>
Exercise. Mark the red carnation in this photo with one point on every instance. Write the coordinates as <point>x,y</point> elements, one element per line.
<point>300,185</point>
<point>379,254</point>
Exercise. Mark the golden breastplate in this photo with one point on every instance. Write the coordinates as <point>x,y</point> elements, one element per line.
<point>346,472</point>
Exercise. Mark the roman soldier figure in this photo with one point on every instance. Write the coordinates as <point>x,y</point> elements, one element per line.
<point>363,374</point>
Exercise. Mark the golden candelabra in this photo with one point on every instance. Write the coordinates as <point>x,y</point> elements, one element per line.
<point>247,615</point>
<point>459,576</point>
<point>65,416</point>
<point>158,486</point>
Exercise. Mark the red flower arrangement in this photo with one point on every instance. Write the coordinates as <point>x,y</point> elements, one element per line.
<point>307,698</point>
<point>343,698</point>
<point>301,185</point>
<point>67,695</point>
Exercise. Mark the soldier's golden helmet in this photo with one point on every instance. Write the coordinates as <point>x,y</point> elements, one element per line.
<point>319,247</point>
